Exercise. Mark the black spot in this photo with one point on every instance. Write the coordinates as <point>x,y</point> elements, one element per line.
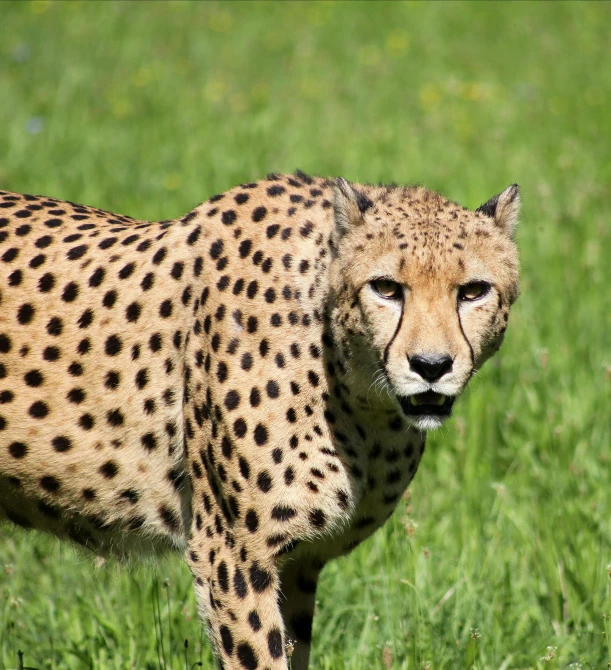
<point>148,441</point>
<point>223,576</point>
<point>239,584</point>
<point>25,314</point>
<point>240,427</point>
<point>70,292</point>
<point>313,378</point>
<point>275,190</point>
<point>272,230</point>
<point>17,449</point>
<point>317,518</point>
<point>61,444</point>
<point>246,362</point>
<point>43,242</point>
<point>85,319</point>
<point>160,254</point>
<point>114,417</point>
<point>132,312</point>
<point>226,639</point>
<point>15,278</point>
<point>254,621</point>
<point>147,281</point>
<point>252,289</point>
<point>37,261</point>
<point>155,342</point>
<point>221,372</point>
<point>112,380</point>
<point>260,433</point>
<point>113,345</point>
<point>260,579</point>
<point>169,518</point>
<point>177,270</point>
<point>38,410</point>
<point>244,467</point>
<point>255,398</point>
<point>5,343</point>
<point>259,214</point>
<point>274,643</point>
<point>97,277</point>
<point>228,217</point>
<point>109,469</point>
<point>86,422</point>
<point>342,499</point>
<point>252,520</point>
<point>131,495</point>
<point>264,481</point>
<point>107,243</point>
<point>252,324</point>
<point>283,512</point>
<point>10,255</point>
<point>165,309</point>
<point>83,346</point>
<point>46,283</point>
<point>33,378</point>
<point>51,354</point>
<point>126,271</point>
<point>289,475</point>
<point>248,657</point>
<point>49,484</point>
<point>194,236</point>
<point>272,388</point>
<point>109,299</point>
<point>244,248</point>
<point>76,252</point>
<point>76,396</point>
<point>142,378</point>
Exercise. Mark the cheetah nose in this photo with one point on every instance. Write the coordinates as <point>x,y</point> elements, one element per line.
<point>430,367</point>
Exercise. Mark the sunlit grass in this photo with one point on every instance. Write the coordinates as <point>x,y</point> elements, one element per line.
<point>499,558</point>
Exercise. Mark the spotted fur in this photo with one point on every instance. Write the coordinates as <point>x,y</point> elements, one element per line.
<point>232,385</point>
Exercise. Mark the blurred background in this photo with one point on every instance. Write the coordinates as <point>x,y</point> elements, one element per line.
<point>500,556</point>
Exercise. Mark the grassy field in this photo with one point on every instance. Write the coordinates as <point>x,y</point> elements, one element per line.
<point>501,556</point>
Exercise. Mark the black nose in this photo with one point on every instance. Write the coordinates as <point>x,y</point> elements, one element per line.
<point>431,367</point>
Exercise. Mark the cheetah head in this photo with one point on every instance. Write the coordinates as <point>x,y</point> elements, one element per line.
<point>420,292</point>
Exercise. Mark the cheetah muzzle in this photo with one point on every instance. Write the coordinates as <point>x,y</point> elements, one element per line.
<point>250,384</point>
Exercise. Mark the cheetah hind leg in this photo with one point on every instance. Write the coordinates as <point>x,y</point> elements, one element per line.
<point>298,586</point>
<point>239,601</point>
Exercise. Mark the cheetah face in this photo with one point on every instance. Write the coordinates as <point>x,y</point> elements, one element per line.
<point>421,289</point>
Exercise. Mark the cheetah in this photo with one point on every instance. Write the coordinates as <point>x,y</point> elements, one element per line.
<point>250,384</point>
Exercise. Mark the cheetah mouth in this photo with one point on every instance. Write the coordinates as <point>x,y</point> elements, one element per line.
<point>429,404</point>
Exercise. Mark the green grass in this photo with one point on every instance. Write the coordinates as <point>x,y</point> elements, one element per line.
<point>502,549</point>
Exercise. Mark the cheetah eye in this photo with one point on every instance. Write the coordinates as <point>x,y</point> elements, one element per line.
<point>473,291</point>
<point>386,288</point>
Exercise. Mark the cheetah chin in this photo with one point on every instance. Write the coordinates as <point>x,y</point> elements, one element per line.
<point>427,411</point>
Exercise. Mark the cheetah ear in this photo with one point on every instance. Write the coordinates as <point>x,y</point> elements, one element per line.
<point>504,208</point>
<point>349,206</point>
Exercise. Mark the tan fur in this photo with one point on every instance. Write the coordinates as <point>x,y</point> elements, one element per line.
<point>228,383</point>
